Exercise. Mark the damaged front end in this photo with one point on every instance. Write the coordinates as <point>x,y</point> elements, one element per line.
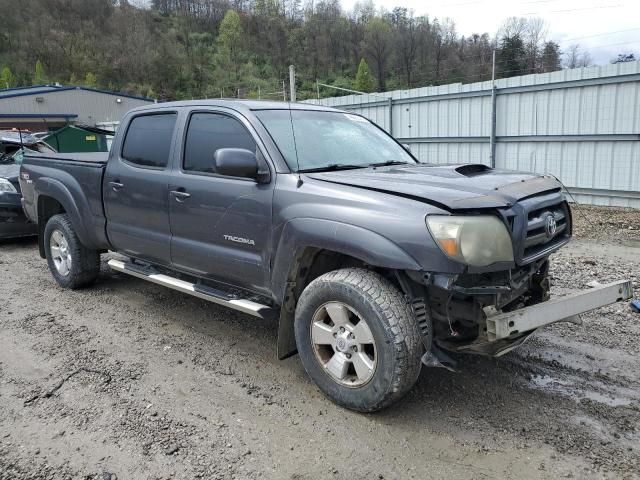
<point>458,305</point>
<point>493,313</point>
<point>502,296</point>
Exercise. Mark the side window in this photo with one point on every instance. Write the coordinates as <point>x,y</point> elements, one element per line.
<point>206,133</point>
<point>148,140</point>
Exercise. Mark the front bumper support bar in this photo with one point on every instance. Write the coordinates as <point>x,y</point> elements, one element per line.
<point>511,324</point>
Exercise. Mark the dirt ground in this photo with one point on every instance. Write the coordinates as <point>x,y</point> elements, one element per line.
<point>129,380</point>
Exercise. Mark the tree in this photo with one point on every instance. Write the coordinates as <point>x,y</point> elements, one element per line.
<point>532,32</point>
<point>90,80</point>
<point>194,48</point>
<point>7,78</point>
<point>535,33</point>
<point>586,60</point>
<point>513,27</point>
<point>443,44</point>
<point>377,41</point>
<point>551,60</point>
<point>39,75</point>
<point>230,52</point>
<point>511,56</point>
<point>364,80</point>
<point>576,57</point>
<point>406,37</point>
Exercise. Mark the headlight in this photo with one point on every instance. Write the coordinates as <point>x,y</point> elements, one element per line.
<point>474,240</point>
<point>6,186</point>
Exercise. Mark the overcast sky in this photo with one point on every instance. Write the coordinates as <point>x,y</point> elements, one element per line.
<point>568,21</point>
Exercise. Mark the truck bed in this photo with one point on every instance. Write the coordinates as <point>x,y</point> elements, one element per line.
<point>75,179</point>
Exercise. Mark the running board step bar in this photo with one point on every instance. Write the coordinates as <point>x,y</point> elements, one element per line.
<point>197,290</point>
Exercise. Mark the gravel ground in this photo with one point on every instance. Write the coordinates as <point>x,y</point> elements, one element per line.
<point>127,379</point>
<point>619,226</point>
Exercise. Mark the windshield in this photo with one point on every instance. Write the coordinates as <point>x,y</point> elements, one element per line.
<point>330,140</point>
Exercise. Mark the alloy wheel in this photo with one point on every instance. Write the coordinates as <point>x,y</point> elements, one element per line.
<point>343,344</point>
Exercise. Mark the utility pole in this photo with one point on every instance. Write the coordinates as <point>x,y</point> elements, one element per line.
<point>292,82</point>
<point>317,89</point>
<point>492,138</point>
<point>259,97</point>
<point>284,92</point>
<point>390,117</point>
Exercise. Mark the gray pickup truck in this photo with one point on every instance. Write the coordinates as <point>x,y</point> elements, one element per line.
<point>373,263</point>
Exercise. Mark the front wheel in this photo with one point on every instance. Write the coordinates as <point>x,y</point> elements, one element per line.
<point>358,339</point>
<point>71,263</point>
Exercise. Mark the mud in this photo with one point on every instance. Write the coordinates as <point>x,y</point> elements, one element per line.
<point>130,380</point>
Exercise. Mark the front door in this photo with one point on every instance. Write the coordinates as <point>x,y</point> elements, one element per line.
<point>135,189</point>
<point>220,225</point>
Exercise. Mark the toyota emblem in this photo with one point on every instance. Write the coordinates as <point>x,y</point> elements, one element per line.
<point>551,226</point>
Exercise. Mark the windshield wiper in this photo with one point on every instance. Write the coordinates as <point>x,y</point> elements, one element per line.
<point>332,167</point>
<point>389,162</point>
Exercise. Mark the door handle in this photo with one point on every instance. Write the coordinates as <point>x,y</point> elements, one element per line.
<point>180,196</point>
<point>115,186</point>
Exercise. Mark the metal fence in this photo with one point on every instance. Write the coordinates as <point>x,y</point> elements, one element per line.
<point>581,125</point>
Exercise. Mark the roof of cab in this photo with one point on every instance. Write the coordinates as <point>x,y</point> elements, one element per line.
<point>239,105</point>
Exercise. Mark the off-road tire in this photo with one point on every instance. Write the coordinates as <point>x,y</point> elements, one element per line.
<point>85,264</point>
<point>398,342</point>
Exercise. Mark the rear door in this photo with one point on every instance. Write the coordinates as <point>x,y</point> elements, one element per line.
<point>135,188</point>
<point>220,225</point>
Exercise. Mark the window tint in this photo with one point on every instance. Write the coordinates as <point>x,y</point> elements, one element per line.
<point>148,140</point>
<point>207,132</point>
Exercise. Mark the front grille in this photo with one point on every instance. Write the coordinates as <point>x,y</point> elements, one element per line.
<point>539,235</point>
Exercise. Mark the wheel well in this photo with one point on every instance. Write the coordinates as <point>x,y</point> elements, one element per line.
<point>47,208</point>
<point>309,263</point>
<point>314,262</point>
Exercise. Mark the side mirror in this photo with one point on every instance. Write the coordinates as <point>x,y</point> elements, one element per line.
<point>236,162</point>
<point>407,147</point>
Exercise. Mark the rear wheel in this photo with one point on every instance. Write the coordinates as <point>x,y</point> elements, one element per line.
<point>71,263</point>
<point>357,339</point>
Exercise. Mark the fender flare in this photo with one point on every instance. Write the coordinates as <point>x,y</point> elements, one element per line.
<point>50,187</point>
<point>352,240</point>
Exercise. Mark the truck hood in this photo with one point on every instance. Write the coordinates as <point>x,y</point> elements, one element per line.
<point>453,187</point>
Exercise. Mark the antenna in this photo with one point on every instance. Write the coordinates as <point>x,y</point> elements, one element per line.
<point>21,142</point>
<point>295,146</point>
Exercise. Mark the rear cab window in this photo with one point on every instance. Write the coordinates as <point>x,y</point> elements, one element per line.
<point>148,140</point>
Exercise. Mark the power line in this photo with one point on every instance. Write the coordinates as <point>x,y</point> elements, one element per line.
<point>484,2</point>
<point>599,35</point>
<point>613,45</point>
<point>569,10</point>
